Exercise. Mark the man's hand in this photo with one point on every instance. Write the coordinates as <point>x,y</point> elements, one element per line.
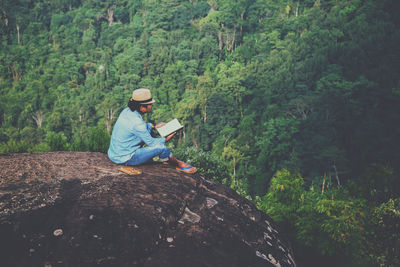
<point>158,125</point>
<point>169,137</point>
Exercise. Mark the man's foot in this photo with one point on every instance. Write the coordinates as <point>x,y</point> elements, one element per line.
<point>182,166</point>
<point>186,168</point>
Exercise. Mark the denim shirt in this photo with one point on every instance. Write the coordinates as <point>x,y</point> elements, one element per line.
<point>129,134</point>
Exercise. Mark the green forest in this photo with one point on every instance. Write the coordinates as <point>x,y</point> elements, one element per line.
<point>295,104</point>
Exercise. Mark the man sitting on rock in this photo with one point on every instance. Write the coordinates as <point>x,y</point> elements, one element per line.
<point>131,133</point>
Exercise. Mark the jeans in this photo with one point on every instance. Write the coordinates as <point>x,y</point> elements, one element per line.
<point>144,154</point>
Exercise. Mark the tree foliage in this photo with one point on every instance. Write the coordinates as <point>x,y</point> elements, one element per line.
<point>278,98</point>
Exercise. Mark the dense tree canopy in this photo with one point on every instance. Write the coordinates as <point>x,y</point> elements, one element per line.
<point>293,103</point>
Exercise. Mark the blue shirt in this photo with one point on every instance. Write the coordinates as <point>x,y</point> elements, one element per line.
<point>129,134</point>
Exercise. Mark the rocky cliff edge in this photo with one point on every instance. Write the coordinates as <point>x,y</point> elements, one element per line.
<point>77,209</point>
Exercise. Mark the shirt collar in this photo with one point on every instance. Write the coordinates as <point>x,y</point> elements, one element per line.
<point>138,114</point>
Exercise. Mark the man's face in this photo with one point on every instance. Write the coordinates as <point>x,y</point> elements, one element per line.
<point>146,108</point>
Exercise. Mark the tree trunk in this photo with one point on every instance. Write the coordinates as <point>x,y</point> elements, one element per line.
<point>234,167</point>
<point>5,18</point>
<point>38,118</point>
<point>226,140</point>
<point>241,24</point>
<point>15,74</point>
<point>19,41</point>
<point>196,144</point>
<point>205,114</point>
<point>110,16</point>
<point>109,118</point>
<point>220,40</point>
<point>336,174</point>
<point>233,40</point>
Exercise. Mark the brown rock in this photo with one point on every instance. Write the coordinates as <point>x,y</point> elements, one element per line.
<point>77,209</point>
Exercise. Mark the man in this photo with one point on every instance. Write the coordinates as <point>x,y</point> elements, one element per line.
<point>131,133</point>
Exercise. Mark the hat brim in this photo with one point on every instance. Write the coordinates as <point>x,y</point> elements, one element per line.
<point>149,102</point>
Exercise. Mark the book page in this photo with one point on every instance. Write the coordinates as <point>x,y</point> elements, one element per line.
<point>169,128</point>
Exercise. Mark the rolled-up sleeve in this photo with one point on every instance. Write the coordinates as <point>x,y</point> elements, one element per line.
<point>143,133</point>
<point>149,126</point>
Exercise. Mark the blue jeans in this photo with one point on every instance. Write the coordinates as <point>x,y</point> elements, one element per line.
<point>144,154</point>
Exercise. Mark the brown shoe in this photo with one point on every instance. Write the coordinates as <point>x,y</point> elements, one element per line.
<point>130,170</point>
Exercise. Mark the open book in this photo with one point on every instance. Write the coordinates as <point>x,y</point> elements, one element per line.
<point>169,128</point>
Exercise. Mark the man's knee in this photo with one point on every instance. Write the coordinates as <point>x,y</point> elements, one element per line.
<point>158,146</point>
<point>161,149</point>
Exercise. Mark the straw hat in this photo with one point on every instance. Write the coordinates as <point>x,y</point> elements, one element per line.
<point>142,96</point>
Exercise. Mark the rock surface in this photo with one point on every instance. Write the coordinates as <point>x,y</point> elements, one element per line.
<point>77,209</point>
